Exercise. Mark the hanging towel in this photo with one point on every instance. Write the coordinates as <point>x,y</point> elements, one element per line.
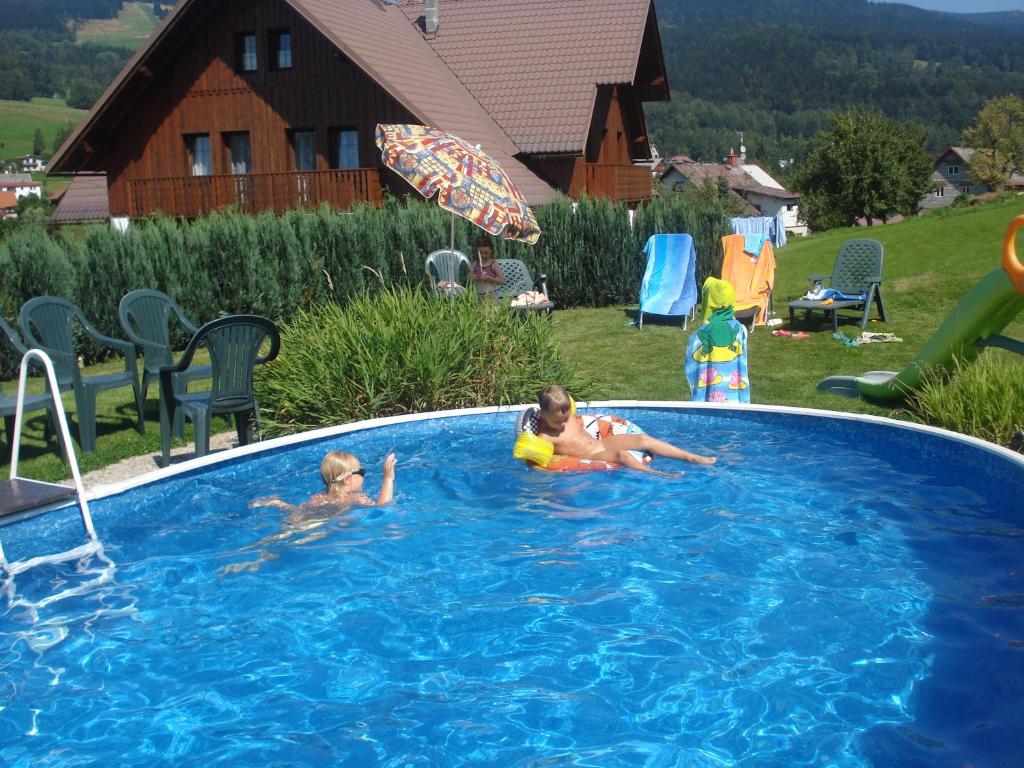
<point>753,244</point>
<point>669,286</point>
<point>753,280</point>
<point>715,364</point>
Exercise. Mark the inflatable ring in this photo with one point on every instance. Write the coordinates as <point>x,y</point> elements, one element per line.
<point>538,452</point>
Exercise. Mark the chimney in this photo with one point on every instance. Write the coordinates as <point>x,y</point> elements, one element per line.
<point>430,16</point>
<point>731,160</point>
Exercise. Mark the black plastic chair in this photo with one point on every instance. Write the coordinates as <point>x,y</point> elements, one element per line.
<point>9,403</point>
<point>146,317</point>
<point>234,345</point>
<point>48,322</point>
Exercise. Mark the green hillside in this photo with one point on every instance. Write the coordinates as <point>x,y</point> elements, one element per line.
<point>778,70</point>
<point>129,30</point>
<point>19,120</point>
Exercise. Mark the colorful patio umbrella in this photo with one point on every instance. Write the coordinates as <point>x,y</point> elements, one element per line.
<point>466,180</point>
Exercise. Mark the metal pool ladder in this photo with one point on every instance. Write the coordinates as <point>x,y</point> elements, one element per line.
<point>21,498</point>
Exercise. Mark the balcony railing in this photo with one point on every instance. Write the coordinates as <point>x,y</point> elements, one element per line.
<point>192,196</point>
<point>625,183</point>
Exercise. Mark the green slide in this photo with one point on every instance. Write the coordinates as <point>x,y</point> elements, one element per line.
<point>975,323</point>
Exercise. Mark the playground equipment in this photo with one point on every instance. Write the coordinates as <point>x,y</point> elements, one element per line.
<point>976,323</point>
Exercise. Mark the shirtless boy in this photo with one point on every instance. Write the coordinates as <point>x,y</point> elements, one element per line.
<point>558,426</point>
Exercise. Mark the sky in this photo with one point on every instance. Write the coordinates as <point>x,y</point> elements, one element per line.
<point>966,6</point>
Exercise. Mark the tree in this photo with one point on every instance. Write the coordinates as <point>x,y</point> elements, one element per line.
<point>61,136</point>
<point>998,135</point>
<point>867,166</point>
<point>38,142</point>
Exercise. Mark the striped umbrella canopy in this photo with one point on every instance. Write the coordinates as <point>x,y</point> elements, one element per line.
<point>466,180</point>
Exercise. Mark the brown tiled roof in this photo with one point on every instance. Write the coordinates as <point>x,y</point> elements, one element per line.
<point>380,40</point>
<point>737,179</point>
<point>85,200</point>
<point>410,71</point>
<point>8,200</point>
<point>535,65</point>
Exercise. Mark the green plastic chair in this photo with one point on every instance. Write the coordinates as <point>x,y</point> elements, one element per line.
<point>234,345</point>
<point>447,271</point>
<point>518,280</point>
<point>48,322</point>
<point>146,318</point>
<point>9,403</point>
<point>858,270</point>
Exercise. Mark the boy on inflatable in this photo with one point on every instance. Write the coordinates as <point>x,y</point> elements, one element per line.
<point>557,426</point>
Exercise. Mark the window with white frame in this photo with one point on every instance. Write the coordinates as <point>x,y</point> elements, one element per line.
<point>199,159</point>
<point>952,170</point>
<point>940,191</point>
<point>965,190</point>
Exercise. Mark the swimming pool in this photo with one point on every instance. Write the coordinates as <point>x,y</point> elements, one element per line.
<point>834,592</point>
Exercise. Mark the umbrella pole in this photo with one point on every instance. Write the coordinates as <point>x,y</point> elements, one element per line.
<point>452,239</point>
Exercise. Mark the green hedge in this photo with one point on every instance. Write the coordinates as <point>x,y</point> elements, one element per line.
<point>273,265</point>
<point>405,350</point>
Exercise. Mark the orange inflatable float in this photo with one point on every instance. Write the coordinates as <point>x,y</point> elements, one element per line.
<point>539,453</point>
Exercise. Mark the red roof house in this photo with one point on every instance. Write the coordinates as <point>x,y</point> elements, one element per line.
<point>274,103</point>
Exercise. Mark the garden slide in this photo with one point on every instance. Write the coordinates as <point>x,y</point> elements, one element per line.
<point>973,325</point>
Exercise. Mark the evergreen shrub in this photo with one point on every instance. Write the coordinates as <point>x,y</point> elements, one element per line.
<point>403,350</point>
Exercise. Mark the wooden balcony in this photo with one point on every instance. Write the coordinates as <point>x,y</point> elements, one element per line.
<point>624,183</point>
<point>192,196</point>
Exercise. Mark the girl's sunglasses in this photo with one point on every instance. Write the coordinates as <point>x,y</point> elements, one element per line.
<point>361,472</point>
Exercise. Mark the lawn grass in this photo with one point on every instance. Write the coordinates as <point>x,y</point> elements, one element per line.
<point>128,30</point>
<point>930,263</point>
<point>19,120</point>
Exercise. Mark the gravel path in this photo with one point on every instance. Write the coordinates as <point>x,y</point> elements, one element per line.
<point>148,462</point>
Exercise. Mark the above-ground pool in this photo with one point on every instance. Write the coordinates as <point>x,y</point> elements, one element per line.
<point>834,592</point>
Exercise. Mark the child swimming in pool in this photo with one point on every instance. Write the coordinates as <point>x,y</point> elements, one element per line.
<point>343,477</point>
<point>557,426</point>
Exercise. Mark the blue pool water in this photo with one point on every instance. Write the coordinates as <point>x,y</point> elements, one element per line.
<point>833,593</point>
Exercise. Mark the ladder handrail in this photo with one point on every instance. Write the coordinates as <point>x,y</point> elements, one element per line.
<point>62,421</point>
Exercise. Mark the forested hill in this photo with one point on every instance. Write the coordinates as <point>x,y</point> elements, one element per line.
<point>779,69</point>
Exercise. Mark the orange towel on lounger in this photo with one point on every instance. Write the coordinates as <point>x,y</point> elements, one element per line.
<point>753,278</point>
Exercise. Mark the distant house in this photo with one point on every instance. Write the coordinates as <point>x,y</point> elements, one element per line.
<point>952,178</point>
<point>8,205</point>
<point>31,163</point>
<point>21,184</point>
<point>274,103</point>
<point>764,195</point>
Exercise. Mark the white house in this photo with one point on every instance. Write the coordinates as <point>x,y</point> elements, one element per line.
<point>20,184</point>
<point>751,182</point>
<point>30,163</point>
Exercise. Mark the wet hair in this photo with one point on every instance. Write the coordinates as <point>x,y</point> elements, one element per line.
<point>336,466</point>
<point>554,399</point>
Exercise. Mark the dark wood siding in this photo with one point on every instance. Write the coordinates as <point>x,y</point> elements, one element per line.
<point>199,91</point>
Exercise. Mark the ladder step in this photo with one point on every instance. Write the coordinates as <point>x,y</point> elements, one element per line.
<point>19,495</point>
<point>20,566</point>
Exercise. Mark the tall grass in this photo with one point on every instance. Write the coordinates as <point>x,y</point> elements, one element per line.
<point>403,350</point>
<point>984,398</point>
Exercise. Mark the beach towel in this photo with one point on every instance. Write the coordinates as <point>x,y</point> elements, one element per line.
<point>752,278</point>
<point>669,285</point>
<point>715,364</point>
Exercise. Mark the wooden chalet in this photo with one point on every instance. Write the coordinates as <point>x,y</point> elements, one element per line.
<point>273,104</point>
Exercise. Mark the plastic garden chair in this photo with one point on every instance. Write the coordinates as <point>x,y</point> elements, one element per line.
<point>518,280</point>
<point>48,322</point>
<point>857,273</point>
<point>444,270</point>
<point>146,318</point>
<point>234,344</point>
<point>9,403</point>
